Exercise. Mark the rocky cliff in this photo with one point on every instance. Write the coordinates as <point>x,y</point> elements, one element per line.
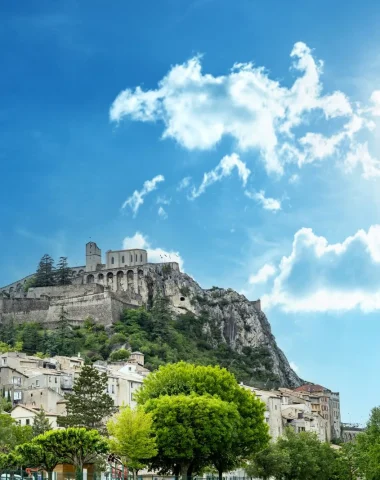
<point>229,319</point>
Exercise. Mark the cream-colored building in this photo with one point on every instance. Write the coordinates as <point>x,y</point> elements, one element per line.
<point>24,415</point>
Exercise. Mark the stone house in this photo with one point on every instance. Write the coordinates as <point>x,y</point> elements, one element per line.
<point>24,415</point>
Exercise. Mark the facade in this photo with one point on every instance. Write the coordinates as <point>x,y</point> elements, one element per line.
<point>25,416</point>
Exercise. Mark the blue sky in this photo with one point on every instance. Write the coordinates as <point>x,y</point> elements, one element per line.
<point>240,136</point>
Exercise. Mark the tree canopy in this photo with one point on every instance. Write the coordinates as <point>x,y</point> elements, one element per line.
<point>132,437</point>
<point>88,405</point>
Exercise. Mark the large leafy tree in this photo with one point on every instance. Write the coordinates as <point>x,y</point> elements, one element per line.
<point>186,379</point>
<point>45,274</point>
<point>296,457</point>
<point>63,273</point>
<point>190,429</point>
<point>77,446</point>
<point>12,434</point>
<point>41,423</point>
<point>132,437</point>
<point>34,455</point>
<point>89,405</point>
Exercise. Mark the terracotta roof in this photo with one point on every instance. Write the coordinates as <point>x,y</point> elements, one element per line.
<point>311,388</point>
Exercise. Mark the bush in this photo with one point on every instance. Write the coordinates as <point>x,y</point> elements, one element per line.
<point>119,355</point>
<point>117,339</point>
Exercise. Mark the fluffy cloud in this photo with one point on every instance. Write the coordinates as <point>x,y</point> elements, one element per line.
<point>263,274</point>
<point>266,202</point>
<point>162,213</point>
<point>155,255</point>
<point>223,169</point>
<point>198,109</point>
<point>184,183</point>
<point>137,198</point>
<point>318,276</point>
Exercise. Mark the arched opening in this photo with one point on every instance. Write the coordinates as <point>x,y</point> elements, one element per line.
<point>81,272</point>
<point>90,279</point>
<point>100,277</point>
<point>109,278</point>
<point>140,274</point>
<point>119,278</point>
<point>130,278</point>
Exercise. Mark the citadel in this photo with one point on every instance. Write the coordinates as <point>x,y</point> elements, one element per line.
<point>98,290</point>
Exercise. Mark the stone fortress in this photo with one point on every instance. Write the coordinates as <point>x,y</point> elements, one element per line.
<point>98,290</point>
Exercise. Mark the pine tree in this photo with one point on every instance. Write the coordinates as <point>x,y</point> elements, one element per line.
<point>45,275</point>
<point>41,423</point>
<point>64,273</point>
<point>89,405</point>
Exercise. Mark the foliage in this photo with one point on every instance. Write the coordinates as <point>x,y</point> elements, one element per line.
<point>367,448</point>
<point>89,404</point>
<point>296,457</point>
<point>132,437</point>
<point>76,446</point>
<point>41,423</point>
<point>37,455</point>
<point>5,404</point>
<point>29,283</point>
<point>12,434</point>
<point>63,273</point>
<point>10,461</point>
<point>186,379</point>
<point>45,274</point>
<point>192,429</point>
<point>121,354</point>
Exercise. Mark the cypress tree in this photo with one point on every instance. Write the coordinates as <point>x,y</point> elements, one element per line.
<point>41,423</point>
<point>64,273</point>
<point>45,275</point>
<point>89,404</point>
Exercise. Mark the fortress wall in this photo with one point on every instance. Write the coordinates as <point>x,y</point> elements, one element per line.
<point>23,310</point>
<point>66,291</point>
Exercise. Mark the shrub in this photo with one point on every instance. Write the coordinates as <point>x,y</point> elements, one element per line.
<point>118,355</point>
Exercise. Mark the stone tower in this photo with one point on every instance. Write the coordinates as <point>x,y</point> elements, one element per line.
<point>93,257</point>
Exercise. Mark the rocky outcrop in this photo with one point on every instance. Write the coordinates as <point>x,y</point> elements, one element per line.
<point>232,318</point>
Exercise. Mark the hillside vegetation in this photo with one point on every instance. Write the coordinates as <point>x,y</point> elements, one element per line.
<point>158,333</point>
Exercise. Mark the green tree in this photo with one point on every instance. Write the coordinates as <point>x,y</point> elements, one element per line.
<point>45,274</point>
<point>121,354</point>
<point>12,434</point>
<point>186,379</point>
<point>272,462</point>
<point>31,338</point>
<point>132,437</point>
<point>368,448</point>
<point>190,429</point>
<point>89,404</point>
<point>41,423</point>
<point>77,446</point>
<point>5,405</point>
<point>29,283</point>
<point>63,273</point>
<point>34,455</point>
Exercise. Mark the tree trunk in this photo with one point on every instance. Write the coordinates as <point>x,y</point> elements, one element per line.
<point>184,469</point>
<point>78,473</point>
<point>50,475</point>
<point>220,474</point>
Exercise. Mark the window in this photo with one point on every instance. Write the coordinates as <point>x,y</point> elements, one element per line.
<point>141,258</point>
<point>56,380</point>
<point>17,396</point>
<point>27,421</point>
<point>4,361</point>
<point>136,258</point>
<point>122,259</point>
<point>49,379</point>
<point>113,389</point>
<point>37,383</point>
<point>112,260</point>
<point>131,258</point>
<point>275,407</point>
<point>16,380</point>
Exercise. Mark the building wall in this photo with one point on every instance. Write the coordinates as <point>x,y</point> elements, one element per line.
<point>126,258</point>
<point>65,291</point>
<point>335,420</point>
<point>93,257</point>
<point>42,397</point>
<point>26,417</point>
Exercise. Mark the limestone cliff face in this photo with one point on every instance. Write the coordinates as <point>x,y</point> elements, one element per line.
<point>239,322</point>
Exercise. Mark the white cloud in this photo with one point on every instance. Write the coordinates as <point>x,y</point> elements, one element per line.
<point>162,213</point>
<point>263,274</point>
<point>198,109</point>
<point>360,156</point>
<point>294,367</point>
<point>318,276</point>
<point>137,198</point>
<point>266,202</point>
<point>184,183</point>
<point>163,200</point>
<point>155,255</point>
<point>223,169</point>
<point>295,178</point>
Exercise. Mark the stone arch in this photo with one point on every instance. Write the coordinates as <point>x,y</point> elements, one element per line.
<point>141,274</point>
<point>100,277</point>
<point>119,278</point>
<point>109,278</point>
<point>81,272</point>
<point>90,278</point>
<point>130,276</point>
